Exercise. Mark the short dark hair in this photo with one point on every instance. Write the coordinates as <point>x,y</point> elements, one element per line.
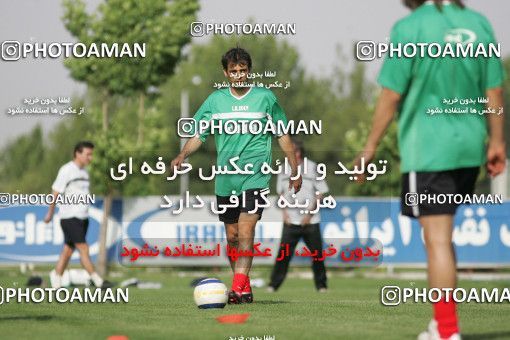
<point>413,4</point>
<point>236,55</point>
<point>299,145</point>
<point>82,145</point>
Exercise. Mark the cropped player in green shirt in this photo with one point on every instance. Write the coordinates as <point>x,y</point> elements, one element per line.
<point>232,107</point>
<point>441,153</point>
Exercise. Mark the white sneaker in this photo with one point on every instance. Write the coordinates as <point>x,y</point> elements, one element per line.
<point>55,279</point>
<point>433,334</point>
<point>98,281</point>
<point>65,279</point>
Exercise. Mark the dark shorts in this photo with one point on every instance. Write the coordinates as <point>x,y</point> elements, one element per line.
<point>440,186</point>
<point>75,230</point>
<point>231,215</point>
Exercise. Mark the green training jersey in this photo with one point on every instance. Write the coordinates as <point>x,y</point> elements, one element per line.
<point>223,108</point>
<point>438,140</point>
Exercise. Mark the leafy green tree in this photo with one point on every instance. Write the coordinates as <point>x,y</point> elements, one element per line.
<point>163,27</point>
<point>387,184</point>
<point>23,154</point>
<point>506,88</point>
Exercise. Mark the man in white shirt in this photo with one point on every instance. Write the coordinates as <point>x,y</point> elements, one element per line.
<point>297,225</point>
<point>73,180</point>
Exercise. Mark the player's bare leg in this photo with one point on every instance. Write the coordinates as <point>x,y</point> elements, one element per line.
<point>438,230</point>
<point>63,260</point>
<point>442,271</point>
<point>232,240</point>
<point>247,223</point>
<point>83,248</point>
<point>241,290</point>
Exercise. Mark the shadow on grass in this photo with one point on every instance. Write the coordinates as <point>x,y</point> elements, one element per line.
<point>493,335</point>
<point>27,317</point>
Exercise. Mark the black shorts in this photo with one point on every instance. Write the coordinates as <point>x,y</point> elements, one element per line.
<point>417,187</point>
<point>231,215</point>
<point>75,230</point>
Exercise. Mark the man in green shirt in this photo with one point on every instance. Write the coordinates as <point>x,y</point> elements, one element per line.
<point>234,108</point>
<point>440,153</point>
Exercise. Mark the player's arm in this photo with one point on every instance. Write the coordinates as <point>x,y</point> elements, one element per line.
<point>384,110</point>
<point>286,145</point>
<point>313,204</point>
<point>280,188</point>
<point>57,187</point>
<point>286,217</point>
<point>394,77</point>
<point>496,151</point>
<point>320,189</point>
<point>51,208</point>
<point>192,145</point>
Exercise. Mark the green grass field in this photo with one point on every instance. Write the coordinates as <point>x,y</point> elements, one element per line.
<point>350,310</point>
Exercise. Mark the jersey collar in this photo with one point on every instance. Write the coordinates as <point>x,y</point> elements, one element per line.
<point>236,97</point>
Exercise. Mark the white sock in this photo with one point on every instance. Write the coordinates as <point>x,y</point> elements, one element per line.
<point>98,281</point>
<point>55,279</point>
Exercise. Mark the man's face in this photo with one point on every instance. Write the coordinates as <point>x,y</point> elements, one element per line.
<point>84,157</point>
<point>236,72</point>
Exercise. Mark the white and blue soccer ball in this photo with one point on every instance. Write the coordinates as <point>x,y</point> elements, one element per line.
<point>210,293</point>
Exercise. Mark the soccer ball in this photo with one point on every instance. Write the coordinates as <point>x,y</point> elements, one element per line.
<point>210,293</point>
